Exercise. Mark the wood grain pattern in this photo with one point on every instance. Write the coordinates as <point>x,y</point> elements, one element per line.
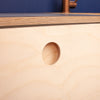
<point>48,20</point>
<point>75,76</point>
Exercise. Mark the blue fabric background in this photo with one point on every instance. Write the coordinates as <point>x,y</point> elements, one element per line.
<point>34,6</point>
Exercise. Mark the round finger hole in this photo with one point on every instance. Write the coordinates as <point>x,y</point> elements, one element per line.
<point>51,53</point>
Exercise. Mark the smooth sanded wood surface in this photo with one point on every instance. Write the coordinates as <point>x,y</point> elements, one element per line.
<point>50,62</point>
<point>46,19</point>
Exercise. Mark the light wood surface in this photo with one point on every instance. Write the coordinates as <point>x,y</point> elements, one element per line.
<point>47,19</point>
<point>25,74</point>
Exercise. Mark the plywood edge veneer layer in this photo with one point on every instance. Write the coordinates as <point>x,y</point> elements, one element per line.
<point>49,20</point>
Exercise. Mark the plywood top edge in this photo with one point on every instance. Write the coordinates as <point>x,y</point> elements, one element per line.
<point>46,14</point>
<point>55,18</point>
<point>87,13</point>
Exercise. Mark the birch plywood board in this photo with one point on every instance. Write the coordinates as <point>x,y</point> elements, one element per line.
<point>50,62</point>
